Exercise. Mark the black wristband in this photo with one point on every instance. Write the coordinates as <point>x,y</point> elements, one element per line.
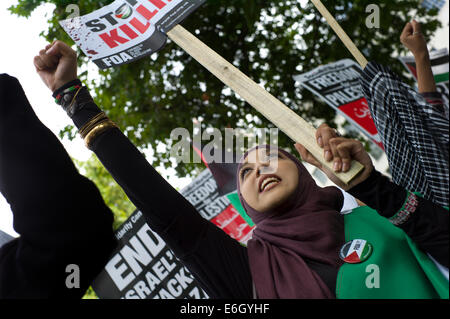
<point>380,193</point>
<point>366,185</point>
<point>66,86</point>
<point>79,100</point>
<point>86,107</point>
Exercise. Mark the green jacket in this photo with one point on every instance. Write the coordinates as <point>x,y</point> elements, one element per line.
<point>396,268</point>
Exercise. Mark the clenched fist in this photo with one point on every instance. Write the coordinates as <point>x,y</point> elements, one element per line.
<point>413,39</point>
<point>56,65</point>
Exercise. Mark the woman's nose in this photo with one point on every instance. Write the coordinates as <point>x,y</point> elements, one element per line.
<point>262,168</point>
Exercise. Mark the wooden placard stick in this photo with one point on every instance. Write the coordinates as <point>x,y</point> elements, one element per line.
<point>341,33</point>
<point>270,107</point>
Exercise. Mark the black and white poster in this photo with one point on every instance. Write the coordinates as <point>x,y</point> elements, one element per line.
<point>143,267</point>
<point>127,30</point>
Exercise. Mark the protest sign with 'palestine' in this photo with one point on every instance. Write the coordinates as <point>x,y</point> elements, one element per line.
<point>338,85</point>
<point>127,30</point>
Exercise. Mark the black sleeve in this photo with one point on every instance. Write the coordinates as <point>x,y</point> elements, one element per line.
<point>59,214</point>
<point>216,260</point>
<point>427,224</point>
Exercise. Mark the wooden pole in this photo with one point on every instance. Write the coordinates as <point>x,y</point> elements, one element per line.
<point>270,107</point>
<point>341,33</point>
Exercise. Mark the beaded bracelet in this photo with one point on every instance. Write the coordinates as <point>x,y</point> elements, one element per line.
<point>408,208</point>
<point>60,96</point>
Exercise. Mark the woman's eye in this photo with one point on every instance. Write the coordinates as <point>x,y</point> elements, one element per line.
<point>244,172</point>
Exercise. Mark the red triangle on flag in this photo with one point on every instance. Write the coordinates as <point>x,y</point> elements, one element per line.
<point>352,258</point>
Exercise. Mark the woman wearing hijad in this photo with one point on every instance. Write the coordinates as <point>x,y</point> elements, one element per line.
<point>302,247</point>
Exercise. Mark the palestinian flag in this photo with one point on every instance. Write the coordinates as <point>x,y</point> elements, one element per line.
<point>224,173</point>
<point>356,251</point>
<point>439,65</point>
<point>225,176</point>
<point>440,69</point>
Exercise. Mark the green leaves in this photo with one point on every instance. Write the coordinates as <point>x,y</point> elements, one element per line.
<point>25,7</point>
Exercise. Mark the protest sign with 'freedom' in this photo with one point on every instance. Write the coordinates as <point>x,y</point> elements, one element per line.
<point>338,85</point>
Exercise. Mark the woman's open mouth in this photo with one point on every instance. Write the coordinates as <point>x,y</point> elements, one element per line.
<point>269,182</point>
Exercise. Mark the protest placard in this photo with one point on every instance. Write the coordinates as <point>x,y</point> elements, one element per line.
<point>127,30</point>
<point>337,84</point>
<point>143,267</point>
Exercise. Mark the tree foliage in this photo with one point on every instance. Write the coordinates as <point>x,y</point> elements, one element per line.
<point>270,41</point>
